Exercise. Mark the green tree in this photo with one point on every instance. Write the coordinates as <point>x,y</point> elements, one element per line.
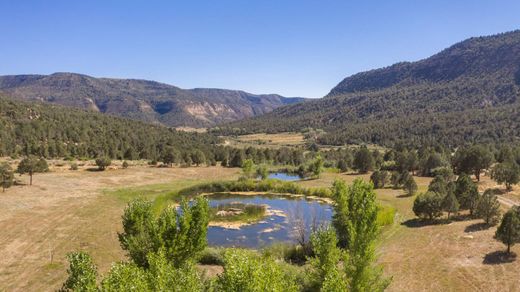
<point>342,165</point>
<point>326,274</point>
<point>317,166</point>
<point>363,160</point>
<point>379,178</point>
<point>103,162</point>
<point>467,193</point>
<point>125,277</point>
<point>248,167</point>
<point>238,158</point>
<point>428,205</point>
<point>6,176</point>
<point>472,160</point>
<point>82,273</point>
<point>170,156</point>
<point>507,173</point>
<point>355,221</point>
<point>508,232</point>
<point>450,204</point>
<point>198,157</point>
<point>246,271</point>
<point>139,236</point>
<point>182,235</point>
<point>164,276</point>
<point>410,186</point>
<point>488,208</point>
<point>262,172</point>
<point>32,165</point>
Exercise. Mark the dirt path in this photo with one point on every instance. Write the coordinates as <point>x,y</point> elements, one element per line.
<point>67,211</point>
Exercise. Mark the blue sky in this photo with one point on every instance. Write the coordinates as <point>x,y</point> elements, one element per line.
<point>294,48</point>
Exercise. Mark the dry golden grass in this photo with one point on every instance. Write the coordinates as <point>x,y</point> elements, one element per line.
<point>66,211</point>
<point>458,256</point>
<point>266,140</point>
<point>69,210</point>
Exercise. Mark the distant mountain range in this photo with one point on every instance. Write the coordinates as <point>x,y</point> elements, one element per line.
<point>468,92</point>
<point>143,100</point>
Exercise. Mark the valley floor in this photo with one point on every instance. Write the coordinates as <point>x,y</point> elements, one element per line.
<point>69,210</point>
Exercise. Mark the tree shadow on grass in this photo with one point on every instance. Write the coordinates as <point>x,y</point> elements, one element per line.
<point>404,196</point>
<point>499,257</point>
<point>93,169</point>
<point>417,222</point>
<point>476,227</point>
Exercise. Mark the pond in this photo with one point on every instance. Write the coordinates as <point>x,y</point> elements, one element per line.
<point>284,176</point>
<point>286,218</point>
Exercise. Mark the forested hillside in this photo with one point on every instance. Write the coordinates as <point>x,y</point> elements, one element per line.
<point>466,93</point>
<point>143,100</point>
<point>57,131</point>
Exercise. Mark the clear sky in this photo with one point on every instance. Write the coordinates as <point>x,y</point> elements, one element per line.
<point>294,48</point>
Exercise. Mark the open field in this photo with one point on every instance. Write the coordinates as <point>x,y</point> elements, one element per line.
<point>69,210</point>
<point>266,140</point>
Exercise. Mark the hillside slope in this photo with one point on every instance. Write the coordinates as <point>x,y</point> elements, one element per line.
<point>468,92</point>
<point>56,131</point>
<point>144,100</point>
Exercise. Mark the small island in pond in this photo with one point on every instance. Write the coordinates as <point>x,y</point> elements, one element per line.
<point>237,212</point>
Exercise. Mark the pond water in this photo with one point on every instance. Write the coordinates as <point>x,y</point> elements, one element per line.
<point>279,226</point>
<point>284,176</point>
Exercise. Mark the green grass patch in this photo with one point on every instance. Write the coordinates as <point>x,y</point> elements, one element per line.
<point>385,215</point>
<point>237,212</point>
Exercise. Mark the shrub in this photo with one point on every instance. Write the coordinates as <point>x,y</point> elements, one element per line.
<point>428,205</point>
<point>73,166</point>
<point>103,162</point>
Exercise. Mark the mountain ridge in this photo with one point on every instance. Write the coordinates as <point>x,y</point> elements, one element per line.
<point>140,99</point>
<point>475,75</point>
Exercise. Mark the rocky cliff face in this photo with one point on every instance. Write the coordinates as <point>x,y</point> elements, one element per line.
<point>141,99</point>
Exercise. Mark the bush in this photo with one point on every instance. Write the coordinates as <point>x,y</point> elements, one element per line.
<point>428,205</point>
<point>74,166</point>
<point>82,273</point>
<point>125,164</point>
<point>103,162</point>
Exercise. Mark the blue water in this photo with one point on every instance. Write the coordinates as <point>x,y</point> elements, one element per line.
<point>284,176</point>
<point>256,235</point>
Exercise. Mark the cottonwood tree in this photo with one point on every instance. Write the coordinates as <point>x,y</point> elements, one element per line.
<point>262,172</point>
<point>32,165</point>
<point>488,208</point>
<point>316,166</point>
<point>326,274</point>
<point>247,271</point>
<point>6,176</point>
<point>355,222</point>
<point>508,232</point>
<point>248,168</point>
<point>181,235</point>
<point>82,273</point>
<point>507,173</point>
